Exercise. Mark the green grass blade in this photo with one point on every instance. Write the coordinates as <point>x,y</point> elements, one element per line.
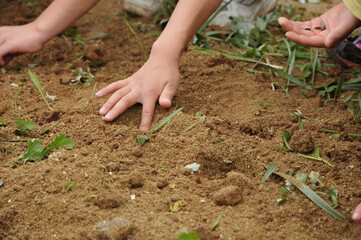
<point>356,87</point>
<point>167,119</point>
<point>315,158</point>
<point>98,37</point>
<point>269,172</point>
<point>354,134</point>
<point>328,131</point>
<point>205,25</point>
<point>35,80</point>
<point>15,99</point>
<point>290,78</point>
<point>289,53</point>
<point>339,86</point>
<point>292,62</point>
<point>314,67</point>
<point>312,196</point>
<point>140,44</point>
<point>353,81</point>
<point>90,98</point>
<point>286,136</point>
<point>300,123</point>
<point>217,222</point>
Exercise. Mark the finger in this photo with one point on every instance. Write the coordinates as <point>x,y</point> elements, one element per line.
<point>113,100</point>
<point>4,50</point>
<point>311,41</point>
<point>111,88</point>
<point>285,24</point>
<point>122,105</point>
<point>9,57</point>
<point>147,114</point>
<point>165,98</point>
<point>292,26</point>
<point>356,216</point>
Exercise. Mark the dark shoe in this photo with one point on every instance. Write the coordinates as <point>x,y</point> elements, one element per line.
<point>348,52</point>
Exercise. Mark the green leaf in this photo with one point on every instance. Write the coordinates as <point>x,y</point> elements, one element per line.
<point>188,236</point>
<point>142,140</point>
<point>34,151</point>
<point>269,172</point>
<point>19,123</point>
<point>3,123</point>
<point>1,182</point>
<point>176,206</point>
<point>60,141</point>
<point>29,125</point>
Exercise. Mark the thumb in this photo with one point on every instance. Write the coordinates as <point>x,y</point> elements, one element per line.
<point>166,97</point>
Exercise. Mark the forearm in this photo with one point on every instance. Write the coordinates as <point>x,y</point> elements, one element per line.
<point>187,18</point>
<point>60,15</point>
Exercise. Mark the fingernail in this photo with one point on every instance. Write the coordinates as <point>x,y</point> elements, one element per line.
<point>356,216</point>
<point>102,110</point>
<point>143,129</point>
<point>108,116</point>
<point>98,93</point>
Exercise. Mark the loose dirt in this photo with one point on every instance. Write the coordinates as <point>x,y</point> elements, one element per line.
<point>120,182</point>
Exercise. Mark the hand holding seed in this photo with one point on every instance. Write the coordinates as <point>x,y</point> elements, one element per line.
<point>328,30</point>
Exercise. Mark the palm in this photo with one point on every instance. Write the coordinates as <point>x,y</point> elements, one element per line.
<point>339,22</point>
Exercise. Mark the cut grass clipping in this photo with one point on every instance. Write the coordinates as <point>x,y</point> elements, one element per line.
<point>306,190</point>
<point>167,120</point>
<point>35,80</point>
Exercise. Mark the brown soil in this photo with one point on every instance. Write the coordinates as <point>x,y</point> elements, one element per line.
<point>244,124</point>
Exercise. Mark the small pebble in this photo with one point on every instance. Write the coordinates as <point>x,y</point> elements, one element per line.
<point>114,229</point>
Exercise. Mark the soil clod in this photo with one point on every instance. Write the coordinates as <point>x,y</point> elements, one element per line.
<point>162,182</point>
<point>302,142</point>
<point>230,195</point>
<point>108,202</point>
<point>136,180</point>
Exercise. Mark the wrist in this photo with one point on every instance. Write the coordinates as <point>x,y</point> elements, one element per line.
<point>169,48</point>
<point>40,37</point>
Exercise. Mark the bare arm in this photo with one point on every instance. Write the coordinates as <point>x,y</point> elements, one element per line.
<point>60,15</point>
<point>31,37</point>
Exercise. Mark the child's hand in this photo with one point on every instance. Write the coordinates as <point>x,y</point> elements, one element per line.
<point>158,78</point>
<point>19,39</point>
<point>356,216</point>
<point>339,22</point>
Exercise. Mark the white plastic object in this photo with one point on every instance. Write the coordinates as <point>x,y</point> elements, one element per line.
<point>249,9</point>
<point>146,8</point>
